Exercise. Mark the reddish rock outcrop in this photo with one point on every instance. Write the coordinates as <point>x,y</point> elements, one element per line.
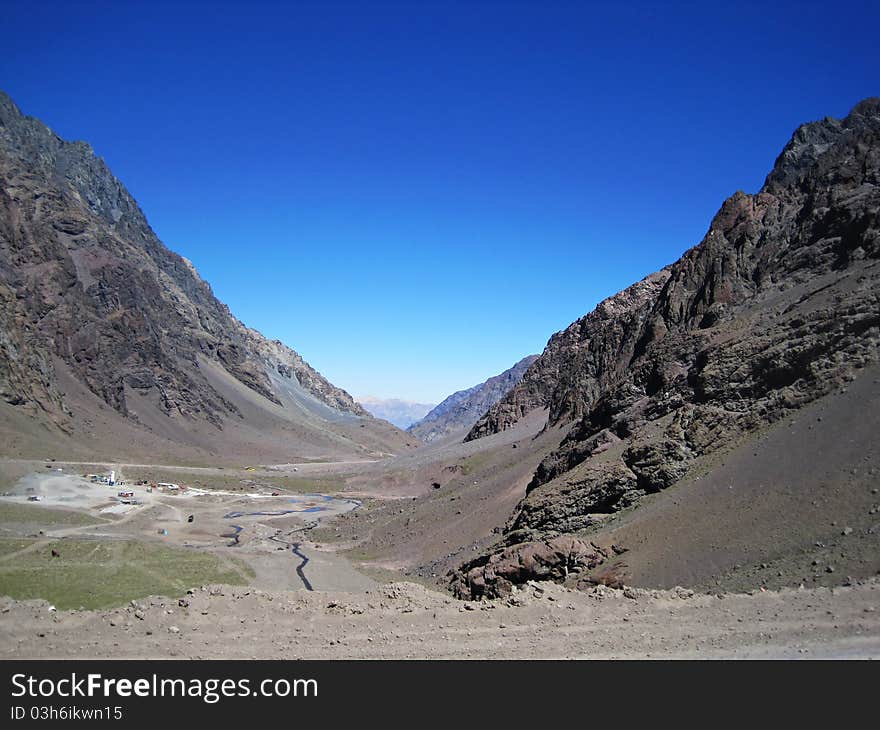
<point>553,559</point>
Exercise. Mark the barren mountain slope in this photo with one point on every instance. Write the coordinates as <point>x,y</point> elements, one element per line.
<point>104,331</point>
<point>778,306</point>
<point>795,503</point>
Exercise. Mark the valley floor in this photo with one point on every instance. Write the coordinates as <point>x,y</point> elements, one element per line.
<point>236,579</point>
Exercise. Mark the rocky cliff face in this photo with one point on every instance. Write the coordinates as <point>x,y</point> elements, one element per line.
<point>576,362</point>
<point>778,305</point>
<point>464,408</point>
<point>86,285</point>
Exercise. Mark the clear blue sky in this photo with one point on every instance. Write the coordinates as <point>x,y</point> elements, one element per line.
<point>414,196</point>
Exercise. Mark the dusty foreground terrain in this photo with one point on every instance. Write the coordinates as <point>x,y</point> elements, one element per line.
<point>404,620</point>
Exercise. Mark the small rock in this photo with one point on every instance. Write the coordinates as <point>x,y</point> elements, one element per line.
<point>846,531</point>
<point>139,614</point>
<point>173,630</point>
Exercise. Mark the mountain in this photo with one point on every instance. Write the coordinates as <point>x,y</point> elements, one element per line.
<point>110,340</point>
<point>777,307</point>
<point>463,409</point>
<point>402,413</point>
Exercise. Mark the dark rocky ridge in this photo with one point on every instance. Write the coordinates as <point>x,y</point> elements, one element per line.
<point>85,282</point>
<point>463,409</point>
<point>576,363</point>
<point>777,306</point>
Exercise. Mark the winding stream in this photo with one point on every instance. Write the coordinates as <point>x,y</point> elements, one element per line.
<point>299,568</point>
<point>331,505</point>
<point>236,531</point>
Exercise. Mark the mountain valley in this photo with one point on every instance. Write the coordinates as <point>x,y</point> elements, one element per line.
<point>706,440</point>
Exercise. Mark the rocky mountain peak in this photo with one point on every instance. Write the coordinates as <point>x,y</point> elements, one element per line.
<point>8,108</point>
<point>813,139</point>
<point>87,286</point>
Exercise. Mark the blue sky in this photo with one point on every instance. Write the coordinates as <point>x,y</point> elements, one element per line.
<point>413,195</point>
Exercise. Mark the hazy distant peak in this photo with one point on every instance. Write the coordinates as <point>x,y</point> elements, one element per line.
<point>402,413</point>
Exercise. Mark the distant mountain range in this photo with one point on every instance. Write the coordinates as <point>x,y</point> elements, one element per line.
<point>462,409</point>
<point>112,341</point>
<point>402,413</point>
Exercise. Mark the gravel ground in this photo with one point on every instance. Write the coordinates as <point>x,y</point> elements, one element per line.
<point>405,620</point>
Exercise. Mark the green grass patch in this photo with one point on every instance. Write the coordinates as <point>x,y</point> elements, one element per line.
<point>11,546</point>
<point>105,573</point>
<point>383,575</point>
<point>302,485</point>
<point>475,462</point>
<point>360,555</point>
<point>13,513</point>
<point>238,480</point>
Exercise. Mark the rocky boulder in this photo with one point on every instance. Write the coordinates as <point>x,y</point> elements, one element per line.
<point>553,559</point>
